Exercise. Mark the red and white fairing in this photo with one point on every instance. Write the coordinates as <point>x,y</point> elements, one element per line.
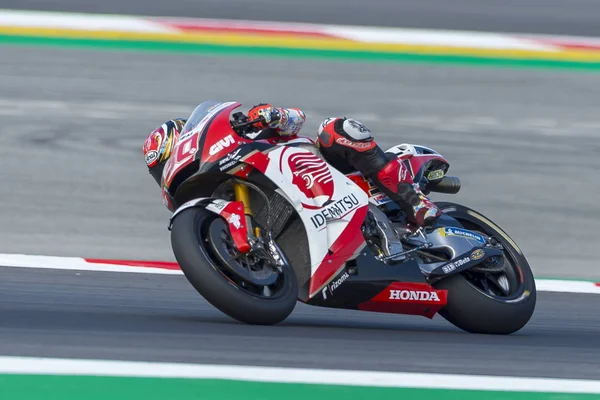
<point>416,157</point>
<point>331,207</point>
<point>186,147</point>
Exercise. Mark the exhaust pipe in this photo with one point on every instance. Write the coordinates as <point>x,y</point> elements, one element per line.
<point>448,185</point>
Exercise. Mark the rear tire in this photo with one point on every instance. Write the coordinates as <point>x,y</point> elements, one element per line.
<point>202,268</point>
<point>472,309</point>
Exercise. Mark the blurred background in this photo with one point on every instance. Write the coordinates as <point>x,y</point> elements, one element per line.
<point>575,17</point>
<point>524,140</point>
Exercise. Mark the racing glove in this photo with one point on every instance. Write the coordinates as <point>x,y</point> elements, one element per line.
<point>286,121</point>
<point>268,115</point>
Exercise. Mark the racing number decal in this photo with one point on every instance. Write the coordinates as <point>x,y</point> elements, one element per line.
<point>184,152</point>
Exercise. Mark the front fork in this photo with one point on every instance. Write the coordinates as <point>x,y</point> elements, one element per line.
<point>268,246</point>
<point>242,193</point>
<point>274,252</point>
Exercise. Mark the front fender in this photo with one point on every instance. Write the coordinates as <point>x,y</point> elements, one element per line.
<point>198,202</point>
<point>231,211</point>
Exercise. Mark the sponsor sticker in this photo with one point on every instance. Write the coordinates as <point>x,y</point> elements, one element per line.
<point>336,284</point>
<point>419,295</point>
<point>221,144</point>
<point>461,232</point>
<point>219,204</point>
<point>230,160</point>
<point>437,174</point>
<point>359,145</point>
<point>235,220</point>
<point>151,156</point>
<point>477,254</point>
<point>228,165</point>
<point>453,265</point>
<point>231,156</point>
<point>380,199</point>
<point>449,268</point>
<point>335,210</point>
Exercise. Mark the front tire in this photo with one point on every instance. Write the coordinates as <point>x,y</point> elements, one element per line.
<point>474,305</point>
<point>194,242</point>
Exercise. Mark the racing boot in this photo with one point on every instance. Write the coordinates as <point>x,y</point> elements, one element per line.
<point>396,182</point>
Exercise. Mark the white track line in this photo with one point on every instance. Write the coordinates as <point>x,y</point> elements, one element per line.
<point>452,38</point>
<point>86,22</point>
<point>566,286</point>
<point>24,365</point>
<point>75,263</point>
<point>80,264</point>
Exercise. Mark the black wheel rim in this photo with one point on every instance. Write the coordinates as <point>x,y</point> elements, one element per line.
<point>506,285</point>
<point>257,277</point>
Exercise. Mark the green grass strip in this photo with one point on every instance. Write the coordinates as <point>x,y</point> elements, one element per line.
<point>157,46</point>
<point>42,387</point>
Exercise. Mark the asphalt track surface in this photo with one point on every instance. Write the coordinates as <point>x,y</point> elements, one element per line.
<point>73,122</point>
<point>572,17</point>
<point>47,313</point>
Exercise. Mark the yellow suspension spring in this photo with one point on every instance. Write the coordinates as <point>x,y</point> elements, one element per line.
<point>242,193</point>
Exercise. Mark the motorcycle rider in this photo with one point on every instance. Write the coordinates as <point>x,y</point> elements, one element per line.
<point>345,143</point>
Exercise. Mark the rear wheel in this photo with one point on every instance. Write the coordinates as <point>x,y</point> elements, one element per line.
<point>496,298</point>
<point>248,288</point>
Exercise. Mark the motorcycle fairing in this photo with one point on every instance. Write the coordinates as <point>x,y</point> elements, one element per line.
<point>407,298</point>
<point>193,137</point>
<point>331,207</point>
<point>364,283</point>
<point>419,159</point>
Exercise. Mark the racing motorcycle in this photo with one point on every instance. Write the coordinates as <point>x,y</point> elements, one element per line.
<point>262,224</point>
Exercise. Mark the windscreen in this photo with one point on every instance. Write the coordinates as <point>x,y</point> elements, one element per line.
<point>199,114</point>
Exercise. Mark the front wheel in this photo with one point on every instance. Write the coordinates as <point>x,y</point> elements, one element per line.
<point>497,300</point>
<point>247,288</point>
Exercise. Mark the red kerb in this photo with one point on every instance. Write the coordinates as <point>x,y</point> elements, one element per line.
<point>572,45</point>
<point>137,263</point>
<point>198,27</point>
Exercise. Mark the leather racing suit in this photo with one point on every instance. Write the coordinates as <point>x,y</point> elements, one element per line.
<point>345,143</point>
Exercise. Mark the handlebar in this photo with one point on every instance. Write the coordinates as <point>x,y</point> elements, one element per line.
<point>274,116</point>
<point>248,123</point>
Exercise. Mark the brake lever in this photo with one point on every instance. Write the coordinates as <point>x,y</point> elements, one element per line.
<point>248,123</point>
<point>275,116</point>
